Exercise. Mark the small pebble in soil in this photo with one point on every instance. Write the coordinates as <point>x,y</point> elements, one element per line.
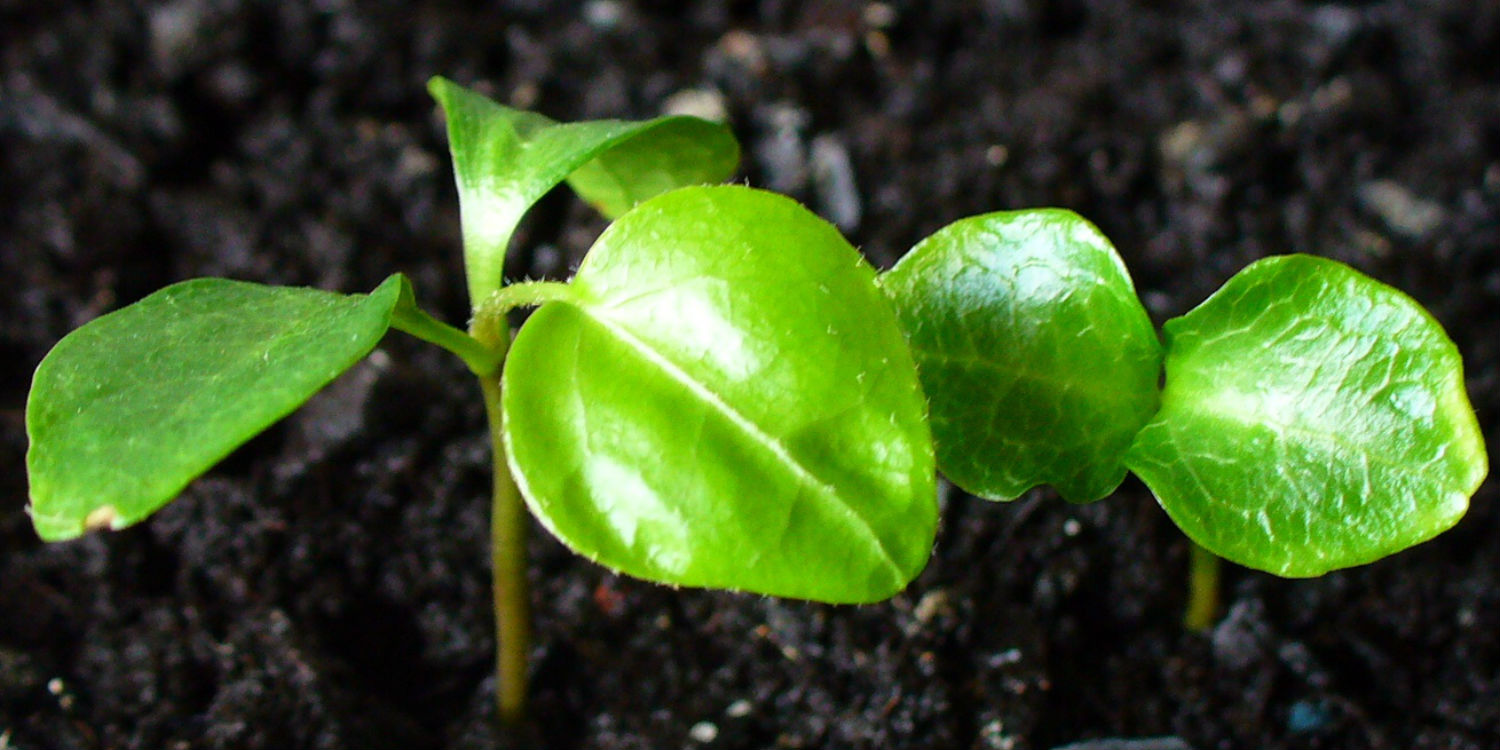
<point>739,709</point>
<point>744,49</point>
<point>1156,301</point>
<point>174,30</point>
<point>1465,617</point>
<point>547,260</point>
<point>834,184</point>
<point>1004,658</point>
<point>1403,211</point>
<point>603,15</point>
<point>1299,658</point>
<point>930,605</point>
<point>1193,151</point>
<point>879,15</point>
<point>781,152</point>
<point>993,737</point>
<point>1239,640</point>
<point>1305,717</point>
<point>1336,24</point>
<point>706,103</point>
<point>58,688</point>
<point>704,732</point>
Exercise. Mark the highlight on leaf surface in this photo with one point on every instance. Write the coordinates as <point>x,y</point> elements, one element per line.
<point>1038,360</point>
<point>1313,419</point>
<point>726,401</point>
<point>129,408</point>
<point>505,160</point>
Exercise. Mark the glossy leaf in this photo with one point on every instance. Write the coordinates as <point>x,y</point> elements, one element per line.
<point>726,401</point>
<point>505,160</point>
<point>128,409</point>
<point>1313,419</point>
<point>1036,356</point>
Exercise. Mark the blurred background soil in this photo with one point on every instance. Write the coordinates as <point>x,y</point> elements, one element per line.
<point>326,587</point>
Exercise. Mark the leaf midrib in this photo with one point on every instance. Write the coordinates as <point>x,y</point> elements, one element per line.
<point>1093,390</point>
<point>749,428</point>
<point>1309,433</point>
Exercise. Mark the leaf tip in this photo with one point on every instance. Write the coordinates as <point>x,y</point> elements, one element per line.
<point>437,87</point>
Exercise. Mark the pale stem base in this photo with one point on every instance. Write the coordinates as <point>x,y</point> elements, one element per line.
<point>1203,589</point>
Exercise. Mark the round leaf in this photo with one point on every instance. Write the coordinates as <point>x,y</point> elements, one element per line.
<point>1037,357</point>
<point>1313,419</point>
<point>128,409</point>
<point>726,401</point>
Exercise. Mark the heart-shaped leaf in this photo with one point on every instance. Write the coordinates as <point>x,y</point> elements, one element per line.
<point>128,409</point>
<point>506,159</point>
<point>725,400</point>
<point>1037,358</point>
<point>1313,419</point>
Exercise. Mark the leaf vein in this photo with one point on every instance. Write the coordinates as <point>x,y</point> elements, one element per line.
<point>805,476</point>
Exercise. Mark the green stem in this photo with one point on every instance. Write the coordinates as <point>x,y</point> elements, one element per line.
<point>512,596</point>
<point>491,312</point>
<point>1203,589</point>
<point>482,360</point>
<point>490,330</point>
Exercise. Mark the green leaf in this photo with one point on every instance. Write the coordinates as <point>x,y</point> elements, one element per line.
<point>128,409</point>
<point>505,160</point>
<point>1036,356</point>
<point>1313,419</point>
<point>726,401</point>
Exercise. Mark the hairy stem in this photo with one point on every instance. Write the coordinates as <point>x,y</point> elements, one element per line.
<point>512,596</point>
<point>1203,589</point>
<point>521,294</point>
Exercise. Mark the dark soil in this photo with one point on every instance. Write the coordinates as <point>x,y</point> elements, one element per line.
<point>326,587</point>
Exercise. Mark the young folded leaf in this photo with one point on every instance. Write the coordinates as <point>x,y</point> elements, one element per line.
<point>1039,362</point>
<point>1313,419</point>
<point>724,399</point>
<point>506,159</point>
<point>129,408</point>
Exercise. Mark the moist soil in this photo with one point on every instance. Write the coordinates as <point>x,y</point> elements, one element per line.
<point>327,586</point>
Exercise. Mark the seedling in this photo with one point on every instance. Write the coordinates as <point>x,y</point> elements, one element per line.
<point>727,395</point>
